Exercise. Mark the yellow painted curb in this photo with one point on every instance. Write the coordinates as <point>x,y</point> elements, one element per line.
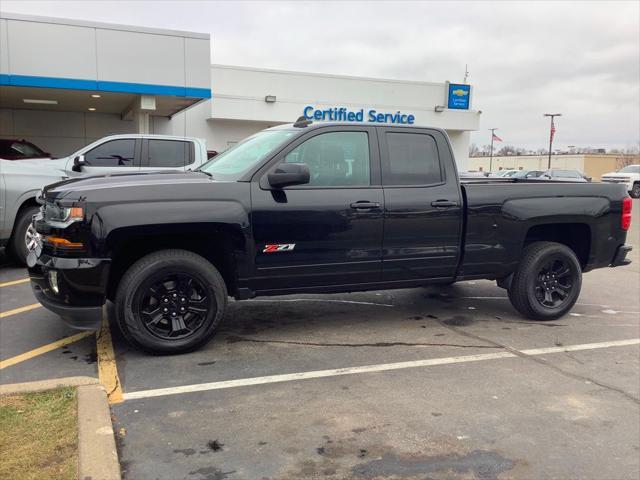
<point>107,367</point>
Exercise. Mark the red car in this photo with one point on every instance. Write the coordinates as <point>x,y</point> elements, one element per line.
<point>20,150</point>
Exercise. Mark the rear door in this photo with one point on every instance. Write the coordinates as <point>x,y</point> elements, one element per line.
<point>167,154</point>
<point>121,155</point>
<point>328,232</point>
<point>423,205</point>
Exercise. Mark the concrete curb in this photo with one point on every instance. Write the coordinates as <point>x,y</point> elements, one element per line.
<point>97,454</point>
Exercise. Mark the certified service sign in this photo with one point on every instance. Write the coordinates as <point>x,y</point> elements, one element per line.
<point>458,96</point>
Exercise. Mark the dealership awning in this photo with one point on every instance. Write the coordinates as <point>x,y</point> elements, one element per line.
<point>67,65</point>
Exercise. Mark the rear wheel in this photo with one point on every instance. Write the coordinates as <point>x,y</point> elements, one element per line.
<point>24,236</point>
<point>170,301</point>
<point>635,191</point>
<point>547,282</point>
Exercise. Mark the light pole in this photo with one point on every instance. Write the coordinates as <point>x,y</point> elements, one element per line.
<point>552,131</point>
<point>492,130</point>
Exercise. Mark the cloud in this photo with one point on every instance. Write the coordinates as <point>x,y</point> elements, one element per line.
<point>525,58</point>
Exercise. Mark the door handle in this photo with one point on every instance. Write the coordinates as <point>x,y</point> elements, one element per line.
<point>364,205</point>
<point>444,204</point>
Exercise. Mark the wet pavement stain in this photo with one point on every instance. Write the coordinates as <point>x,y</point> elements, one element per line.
<point>215,445</point>
<point>185,451</point>
<point>483,465</point>
<point>459,321</point>
<point>91,358</point>
<point>236,339</point>
<point>211,473</point>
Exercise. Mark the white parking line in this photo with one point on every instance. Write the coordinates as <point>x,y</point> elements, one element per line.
<point>289,377</point>
<point>577,303</point>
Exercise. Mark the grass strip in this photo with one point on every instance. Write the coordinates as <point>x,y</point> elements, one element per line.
<point>39,435</point>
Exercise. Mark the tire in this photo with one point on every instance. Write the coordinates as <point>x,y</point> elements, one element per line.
<point>549,262</point>
<point>18,243</point>
<point>158,283</point>
<point>635,191</point>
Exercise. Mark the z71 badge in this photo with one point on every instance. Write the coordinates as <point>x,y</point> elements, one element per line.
<point>279,247</point>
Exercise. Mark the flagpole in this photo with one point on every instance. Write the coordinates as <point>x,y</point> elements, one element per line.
<point>491,150</point>
<point>551,132</point>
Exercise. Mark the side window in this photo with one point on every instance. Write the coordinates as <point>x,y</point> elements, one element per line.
<point>413,160</point>
<point>116,153</point>
<point>335,159</point>
<point>169,153</point>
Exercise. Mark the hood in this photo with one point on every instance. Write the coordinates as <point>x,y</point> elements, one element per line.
<point>78,188</point>
<point>617,175</point>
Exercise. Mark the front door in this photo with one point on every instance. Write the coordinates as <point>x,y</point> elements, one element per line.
<point>423,205</point>
<point>328,232</point>
<point>121,155</point>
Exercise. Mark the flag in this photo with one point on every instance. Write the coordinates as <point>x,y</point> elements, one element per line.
<point>496,138</point>
<point>553,130</point>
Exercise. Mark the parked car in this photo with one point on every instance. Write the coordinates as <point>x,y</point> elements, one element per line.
<point>565,175</point>
<point>112,154</point>
<point>628,176</point>
<point>527,174</point>
<point>312,208</point>
<point>11,149</point>
<point>132,153</point>
<point>472,174</point>
<point>506,173</point>
<point>20,184</point>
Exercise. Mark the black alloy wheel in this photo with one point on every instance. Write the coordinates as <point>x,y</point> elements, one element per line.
<point>170,301</point>
<point>174,306</point>
<point>547,282</point>
<point>554,283</point>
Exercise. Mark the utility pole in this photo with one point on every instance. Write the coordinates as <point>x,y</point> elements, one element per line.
<point>492,130</point>
<point>552,131</point>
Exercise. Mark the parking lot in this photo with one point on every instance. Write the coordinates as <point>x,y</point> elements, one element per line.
<point>432,383</point>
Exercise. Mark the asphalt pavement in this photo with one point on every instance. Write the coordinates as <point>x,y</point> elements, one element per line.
<point>427,383</point>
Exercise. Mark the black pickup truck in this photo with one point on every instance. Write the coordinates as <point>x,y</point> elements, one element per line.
<point>312,208</point>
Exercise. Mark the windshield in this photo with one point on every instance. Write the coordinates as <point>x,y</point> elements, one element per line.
<point>234,162</point>
<point>630,169</point>
<point>20,149</point>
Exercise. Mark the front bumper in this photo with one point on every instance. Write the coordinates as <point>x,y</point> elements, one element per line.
<point>619,258</point>
<point>81,287</point>
<point>81,318</point>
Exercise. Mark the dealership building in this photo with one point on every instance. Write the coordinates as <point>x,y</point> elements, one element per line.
<point>65,83</point>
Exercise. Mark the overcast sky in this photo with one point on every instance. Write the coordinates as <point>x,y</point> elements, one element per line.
<point>525,58</point>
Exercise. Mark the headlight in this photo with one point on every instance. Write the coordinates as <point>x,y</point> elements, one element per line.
<point>62,216</point>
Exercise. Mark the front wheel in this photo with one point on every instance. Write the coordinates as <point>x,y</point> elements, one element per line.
<point>547,282</point>
<point>635,191</point>
<point>170,301</point>
<point>24,237</point>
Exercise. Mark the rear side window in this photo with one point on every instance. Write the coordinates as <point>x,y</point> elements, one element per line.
<point>116,153</point>
<point>413,160</point>
<point>169,153</point>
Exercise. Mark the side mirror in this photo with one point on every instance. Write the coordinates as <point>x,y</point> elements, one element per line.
<point>78,163</point>
<point>287,174</point>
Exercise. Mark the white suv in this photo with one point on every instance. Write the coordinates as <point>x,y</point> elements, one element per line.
<point>629,175</point>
